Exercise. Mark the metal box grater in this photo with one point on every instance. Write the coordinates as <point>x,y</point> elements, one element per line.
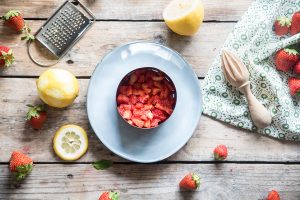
<point>64,28</point>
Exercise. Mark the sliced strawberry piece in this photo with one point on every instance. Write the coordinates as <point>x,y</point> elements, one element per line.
<point>147,124</point>
<point>126,106</point>
<point>127,114</point>
<point>129,91</point>
<point>155,122</point>
<point>155,91</point>
<point>146,89</point>
<point>133,79</point>
<point>139,105</point>
<point>138,112</point>
<point>164,93</point>
<point>138,122</point>
<point>156,99</point>
<point>133,99</point>
<point>150,83</point>
<point>158,114</point>
<point>148,106</point>
<point>138,92</point>
<point>149,115</point>
<point>157,84</point>
<point>157,78</point>
<point>137,86</point>
<point>143,99</point>
<point>144,117</point>
<point>163,108</point>
<point>122,99</point>
<point>121,111</point>
<point>123,90</point>
<point>141,78</point>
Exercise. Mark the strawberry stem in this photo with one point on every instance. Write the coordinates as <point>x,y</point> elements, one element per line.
<point>28,36</point>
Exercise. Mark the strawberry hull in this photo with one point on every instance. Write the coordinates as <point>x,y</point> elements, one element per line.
<point>146,98</point>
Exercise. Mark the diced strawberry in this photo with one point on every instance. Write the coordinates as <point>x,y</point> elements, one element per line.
<point>144,117</point>
<point>143,99</point>
<point>127,114</point>
<point>133,99</point>
<point>139,105</point>
<point>133,79</point>
<point>147,124</point>
<point>137,86</point>
<point>150,83</point>
<point>126,106</point>
<point>155,91</point>
<point>148,75</point>
<point>164,93</point>
<point>149,114</point>
<point>123,90</point>
<point>158,114</point>
<point>155,122</point>
<point>150,100</point>
<point>157,78</point>
<point>157,84</point>
<point>148,106</point>
<point>129,91</point>
<point>140,72</point>
<point>138,122</point>
<point>122,99</point>
<point>130,122</point>
<point>138,112</point>
<point>121,110</point>
<point>141,78</point>
<point>137,92</point>
<point>156,99</point>
<point>163,108</point>
<point>146,89</point>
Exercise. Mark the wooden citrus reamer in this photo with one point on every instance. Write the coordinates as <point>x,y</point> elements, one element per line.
<point>237,74</point>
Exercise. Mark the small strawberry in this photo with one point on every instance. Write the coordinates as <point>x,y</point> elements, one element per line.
<point>14,20</point>
<point>294,85</point>
<point>285,59</point>
<point>190,182</point>
<point>282,26</point>
<point>36,116</point>
<point>20,165</point>
<point>220,152</point>
<point>295,27</point>
<point>273,195</point>
<point>109,196</point>
<point>6,56</point>
<point>297,68</point>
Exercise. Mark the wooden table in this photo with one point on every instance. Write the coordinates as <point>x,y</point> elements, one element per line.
<point>256,164</point>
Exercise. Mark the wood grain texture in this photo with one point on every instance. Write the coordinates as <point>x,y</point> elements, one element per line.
<point>219,10</point>
<point>15,134</point>
<point>199,50</point>
<point>148,182</point>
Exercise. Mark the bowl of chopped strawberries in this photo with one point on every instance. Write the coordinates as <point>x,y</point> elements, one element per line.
<point>146,97</point>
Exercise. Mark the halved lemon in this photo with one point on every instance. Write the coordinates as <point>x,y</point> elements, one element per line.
<point>184,17</point>
<point>70,142</point>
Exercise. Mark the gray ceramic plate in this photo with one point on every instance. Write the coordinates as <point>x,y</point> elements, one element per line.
<point>129,142</point>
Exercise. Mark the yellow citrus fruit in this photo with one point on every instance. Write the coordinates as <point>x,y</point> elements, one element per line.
<point>70,142</point>
<point>57,87</point>
<point>184,17</point>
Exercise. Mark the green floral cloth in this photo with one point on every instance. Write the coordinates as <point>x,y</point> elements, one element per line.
<point>254,41</point>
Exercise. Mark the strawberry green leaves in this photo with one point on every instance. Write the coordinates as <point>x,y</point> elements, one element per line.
<point>102,164</point>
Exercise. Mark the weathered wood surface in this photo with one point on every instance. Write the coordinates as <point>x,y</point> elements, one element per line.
<point>15,134</point>
<point>199,50</point>
<point>220,10</point>
<point>218,182</point>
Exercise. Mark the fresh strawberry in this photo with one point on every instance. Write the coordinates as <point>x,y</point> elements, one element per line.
<point>20,165</point>
<point>36,116</point>
<point>285,59</point>
<point>295,27</point>
<point>158,114</point>
<point>190,182</point>
<point>6,56</point>
<point>282,26</point>
<point>155,122</point>
<point>147,124</point>
<point>143,99</point>
<point>111,195</point>
<point>297,68</point>
<point>133,79</point>
<point>14,20</point>
<point>133,99</point>
<point>220,152</point>
<point>294,85</point>
<point>122,99</point>
<point>273,195</point>
<point>137,121</point>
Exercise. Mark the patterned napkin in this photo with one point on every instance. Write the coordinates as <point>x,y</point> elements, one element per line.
<point>254,41</point>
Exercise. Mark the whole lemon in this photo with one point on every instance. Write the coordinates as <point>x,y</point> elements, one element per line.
<point>57,87</point>
<point>184,17</point>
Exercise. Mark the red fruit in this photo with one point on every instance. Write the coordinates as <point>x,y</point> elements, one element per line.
<point>297,68</point>
<point>123,90</point>
<point>147,124</point>
<point>162,107</point>
<point>155,122</point>
<point>133,79</point>
<point>273,195</point>
<point>158,114</point>
<point>6,56</point>
<point>138,92</point>
<point>139,105</point>
<point>282,26</point>
<point>143,99</point>
<point>127,114</point>
<point>109,196</point>
<point>36,116</point>
<point>149,114</point>
<point>14,20</point>
<point>20,165</point>
<point>285,59</point>
<point>294,85</point>
<point>220,152</point>
<point>155,91</point>
<point>133,99</point>
<point>148,107</point>
<point>295,27</point>
<point>190,182</point>
<point>122,99</point>
<point>138,122</point>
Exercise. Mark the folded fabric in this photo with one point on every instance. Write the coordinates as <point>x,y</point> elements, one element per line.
<point>254,41</point>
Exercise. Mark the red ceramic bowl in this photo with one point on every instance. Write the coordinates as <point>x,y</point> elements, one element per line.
<point>146,98</point>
